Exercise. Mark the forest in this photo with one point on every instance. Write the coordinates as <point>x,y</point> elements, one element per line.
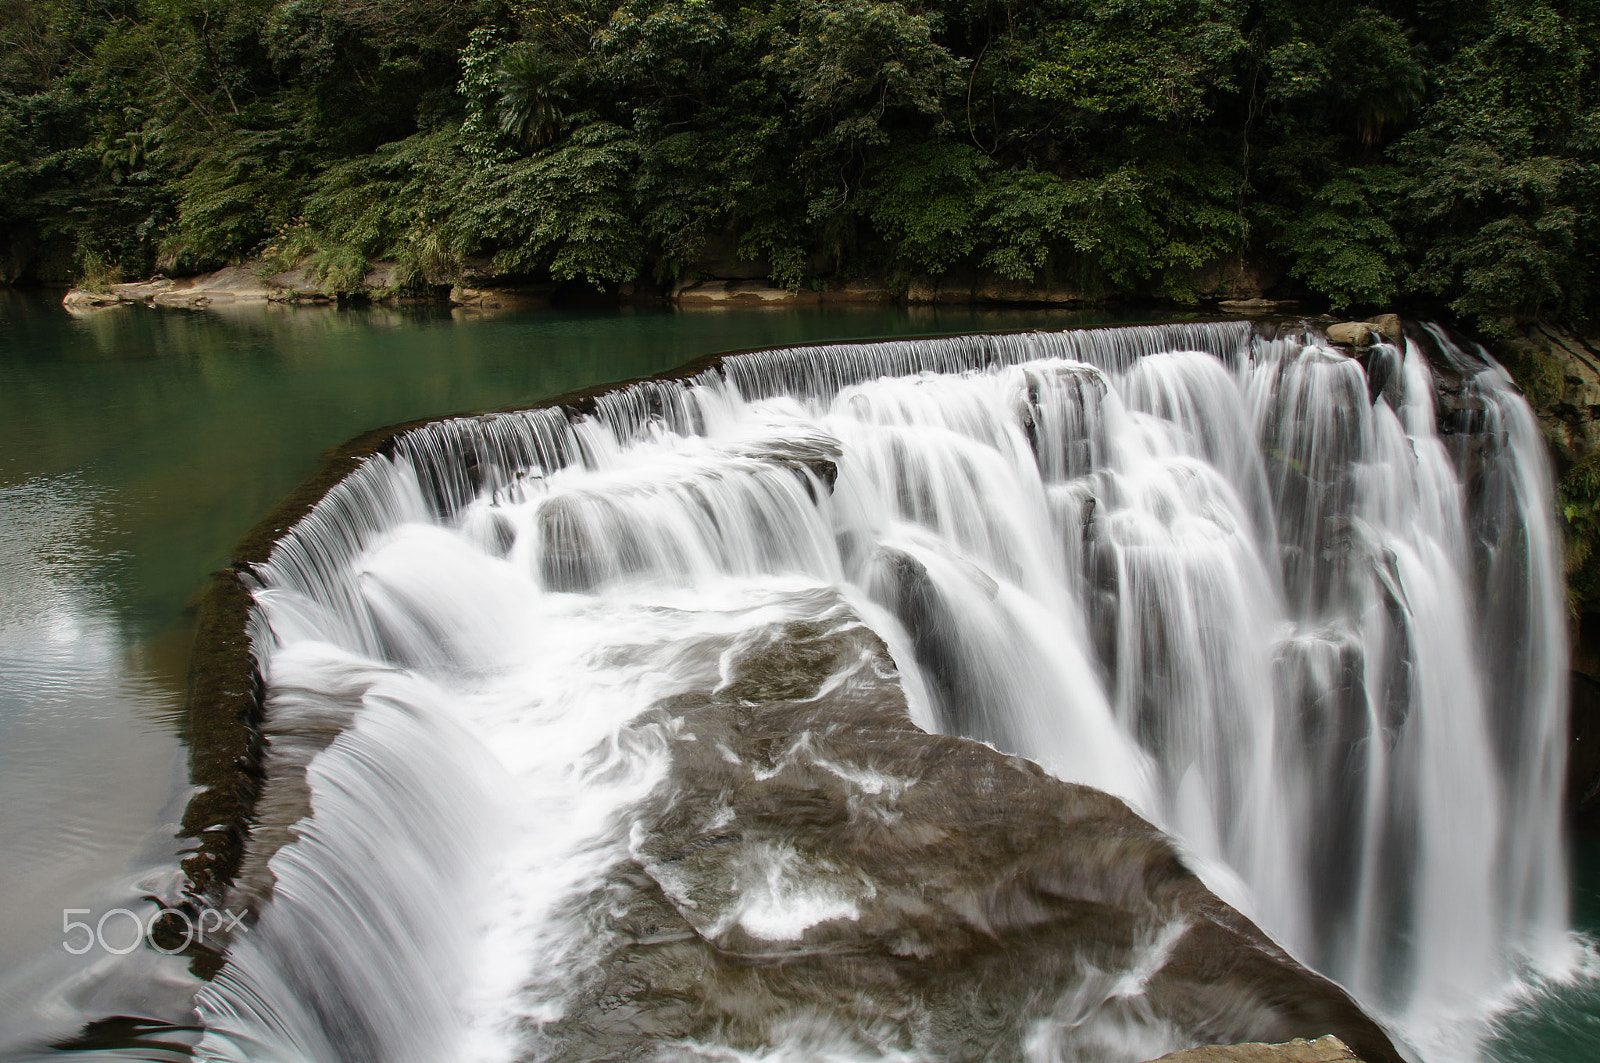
<point>1435,152</point>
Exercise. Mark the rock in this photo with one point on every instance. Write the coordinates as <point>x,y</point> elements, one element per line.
<point>381,276</point>
<point>1234,279</point>
<point>233,284</point>
<point>244,283</point>
<point>721,293</point>
<point>1389,327</point>
<point>568,560</point>
<point>859,290</point>
<point>811,453</point>
<point>83,299</point>
<point>295,285</point>
<point>520,297</point>
<point>1573,366</point>
<point>144,291</point>
<point>118,294</point>
<point>1255,306</point>
<point>1001,290</point>
<point>1327,1049</point>
<point>479,271</point>
<point>956,287</point>
<point>1353,333</point>
<point>959,903</point>
<point>959,287</point>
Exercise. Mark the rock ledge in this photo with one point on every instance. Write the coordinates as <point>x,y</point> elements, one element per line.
<point>1328,1049</point>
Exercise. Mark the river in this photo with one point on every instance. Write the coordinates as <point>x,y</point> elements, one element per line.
<point>136,446</point>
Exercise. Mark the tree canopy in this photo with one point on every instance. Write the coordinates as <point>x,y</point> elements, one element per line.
<point>1447,151</point>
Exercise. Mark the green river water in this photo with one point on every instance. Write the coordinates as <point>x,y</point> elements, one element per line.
<point>137,446</point>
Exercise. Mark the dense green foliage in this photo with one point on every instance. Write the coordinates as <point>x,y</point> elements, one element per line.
<point>1447,151</point>
<point>1579,495</point>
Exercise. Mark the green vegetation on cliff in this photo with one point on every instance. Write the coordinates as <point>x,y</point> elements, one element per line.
<point>1446,151</point>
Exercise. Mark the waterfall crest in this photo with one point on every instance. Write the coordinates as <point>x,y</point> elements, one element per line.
<point>1299,609</point>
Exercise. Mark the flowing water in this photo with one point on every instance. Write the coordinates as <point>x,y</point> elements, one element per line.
<point>136,448</point>
<point>1268,594</point>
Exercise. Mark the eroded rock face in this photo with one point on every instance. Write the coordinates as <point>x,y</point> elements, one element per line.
<point>817,868</point>
<point>1559,372</point>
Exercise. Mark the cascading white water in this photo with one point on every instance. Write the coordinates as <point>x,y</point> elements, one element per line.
<point>1243,583</point>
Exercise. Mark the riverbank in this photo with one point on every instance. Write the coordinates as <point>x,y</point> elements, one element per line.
<point>1231,287</point>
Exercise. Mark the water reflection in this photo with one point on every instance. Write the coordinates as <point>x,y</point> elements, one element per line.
<point>88,770</point>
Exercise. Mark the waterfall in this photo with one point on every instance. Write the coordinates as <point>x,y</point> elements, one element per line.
<point>1279,599</point>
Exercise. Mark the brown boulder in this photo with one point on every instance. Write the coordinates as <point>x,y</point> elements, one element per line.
<point>1353,333</point>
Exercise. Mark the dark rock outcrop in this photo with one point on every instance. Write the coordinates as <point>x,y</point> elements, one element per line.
<point>959,900</point>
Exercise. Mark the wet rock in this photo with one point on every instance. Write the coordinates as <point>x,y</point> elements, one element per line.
<point>1353,333</point>
<point>1559,373</point>
<point>84,299</point>
<point>1384,377</point>
<point>567,558</point>
<point>817,868</point>
<point>124,293</point>
<point>809,452</point>
<point>1327,1049</point>
<point>1583,725</point>
<point>953,287</point>
<point>1385,327</point>
<point>296,285</point>
<point>903,586</point>
<point>1389,327</point>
